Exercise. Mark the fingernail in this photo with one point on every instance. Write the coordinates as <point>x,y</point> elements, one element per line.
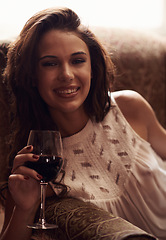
<point>26,177</point>
<point>29,147</point>
<point>35,156</point>
<point>39,177</point>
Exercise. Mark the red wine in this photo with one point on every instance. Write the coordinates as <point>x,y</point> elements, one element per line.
<point>47,166</point>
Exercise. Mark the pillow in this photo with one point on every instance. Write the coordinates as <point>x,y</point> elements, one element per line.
<point>80,220</point>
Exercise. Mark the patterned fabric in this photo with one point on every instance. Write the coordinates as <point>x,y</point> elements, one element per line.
<point>91,155</point>
<point>84,221</point>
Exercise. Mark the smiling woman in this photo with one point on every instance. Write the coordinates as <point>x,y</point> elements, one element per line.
<point>60,77</point>
<point>64,61</point>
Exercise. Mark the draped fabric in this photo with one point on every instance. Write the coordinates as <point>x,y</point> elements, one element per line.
<point>78,220</point>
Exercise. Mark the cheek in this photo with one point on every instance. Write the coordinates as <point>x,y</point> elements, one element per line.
<point>85,80</point>
<point>43,83</point>
<point>86,75</point>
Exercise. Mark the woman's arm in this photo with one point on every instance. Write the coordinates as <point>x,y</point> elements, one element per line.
<point>21,213</point>
<point>156,135</point>
<point>22,200</point>
<point>142,119</point>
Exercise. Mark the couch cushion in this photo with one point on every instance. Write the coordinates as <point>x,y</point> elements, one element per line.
<point>80,220</point>
<point>140,59</point>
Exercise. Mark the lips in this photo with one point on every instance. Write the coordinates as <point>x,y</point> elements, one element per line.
<point>66,92</point>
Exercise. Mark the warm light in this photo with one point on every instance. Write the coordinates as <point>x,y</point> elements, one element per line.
<point>109,13</point>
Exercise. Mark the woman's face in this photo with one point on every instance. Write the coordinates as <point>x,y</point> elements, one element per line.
<point>63,71</point>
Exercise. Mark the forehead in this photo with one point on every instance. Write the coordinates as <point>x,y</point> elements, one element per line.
<point>61,42</point>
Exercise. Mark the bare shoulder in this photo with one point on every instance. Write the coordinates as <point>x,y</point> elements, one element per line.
<point>132,103</point>
<point>142,119</point>
<point>127,96</point>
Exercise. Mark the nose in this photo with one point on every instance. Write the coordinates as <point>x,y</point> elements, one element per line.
<point>66,73</point>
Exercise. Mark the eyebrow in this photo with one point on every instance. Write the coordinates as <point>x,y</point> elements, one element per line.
<point>54,56</point>
<point>79,53</point>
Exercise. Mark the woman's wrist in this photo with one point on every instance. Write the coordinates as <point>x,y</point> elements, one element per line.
<point>27,215</point>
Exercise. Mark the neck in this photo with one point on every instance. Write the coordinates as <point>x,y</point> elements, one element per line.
<point>70,123</point>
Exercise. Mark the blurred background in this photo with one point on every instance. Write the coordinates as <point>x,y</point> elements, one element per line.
<point>144,15</point>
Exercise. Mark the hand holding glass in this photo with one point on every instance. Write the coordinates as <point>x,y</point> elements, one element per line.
<point>48,145</point>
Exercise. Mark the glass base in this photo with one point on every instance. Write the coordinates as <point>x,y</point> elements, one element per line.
<point>42,226</point>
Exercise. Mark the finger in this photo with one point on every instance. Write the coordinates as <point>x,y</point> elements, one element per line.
<point>19,182</point>
<point>22,158</point>
<point>27,173</point>
<point>16,177</point>
<point>26,149</point>
<point>14,180</point>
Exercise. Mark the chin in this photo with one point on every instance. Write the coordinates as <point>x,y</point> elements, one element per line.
<point>73,109</point>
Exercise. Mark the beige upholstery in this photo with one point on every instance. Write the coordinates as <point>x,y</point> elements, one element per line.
<point>140,59</point>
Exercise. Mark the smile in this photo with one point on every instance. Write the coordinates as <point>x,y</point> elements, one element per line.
<point>67,91</point>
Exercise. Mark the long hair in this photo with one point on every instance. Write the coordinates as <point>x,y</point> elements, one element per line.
<point>30,111</point>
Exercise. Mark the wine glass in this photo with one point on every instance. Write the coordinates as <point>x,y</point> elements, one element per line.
<point>48,145</point>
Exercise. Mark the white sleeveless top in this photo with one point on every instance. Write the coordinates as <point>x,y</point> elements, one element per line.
<point>108,164</point>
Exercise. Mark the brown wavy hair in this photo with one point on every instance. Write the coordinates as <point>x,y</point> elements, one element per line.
<point>30,111</point>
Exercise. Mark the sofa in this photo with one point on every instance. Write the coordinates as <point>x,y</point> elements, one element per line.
<point>140,60</point>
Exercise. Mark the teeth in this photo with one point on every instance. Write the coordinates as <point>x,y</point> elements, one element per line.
<point>67,91</point>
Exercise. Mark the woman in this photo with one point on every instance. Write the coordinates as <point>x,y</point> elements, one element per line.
<point>61,76</point>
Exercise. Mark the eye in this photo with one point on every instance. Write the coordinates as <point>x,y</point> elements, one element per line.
<point>49,64</point>
<point>78,61</point>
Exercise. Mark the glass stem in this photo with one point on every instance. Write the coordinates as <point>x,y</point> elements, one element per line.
<point>42,220</point>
